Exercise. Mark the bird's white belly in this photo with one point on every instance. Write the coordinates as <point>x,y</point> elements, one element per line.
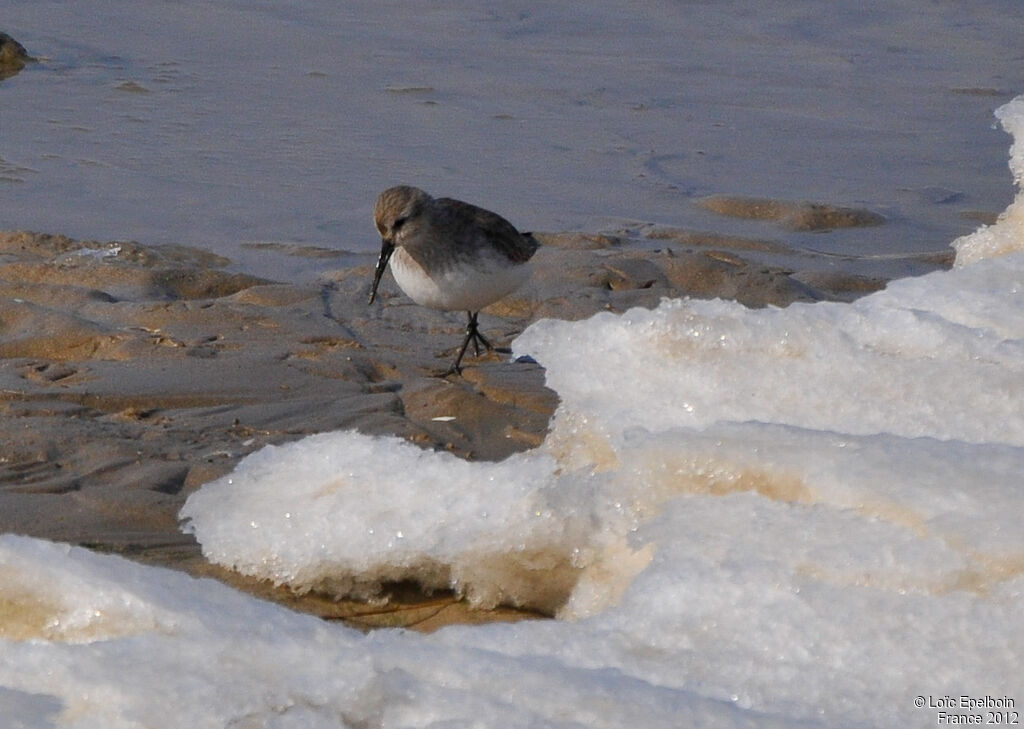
<point>461,287</point>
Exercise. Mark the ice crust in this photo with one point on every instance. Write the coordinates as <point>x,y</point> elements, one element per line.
<point>1005,236</point>
<point>343,512</point>
<point>798,517</point>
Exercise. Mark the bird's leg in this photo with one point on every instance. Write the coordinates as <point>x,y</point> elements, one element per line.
<point>455,369</point>
<point>474,333</point>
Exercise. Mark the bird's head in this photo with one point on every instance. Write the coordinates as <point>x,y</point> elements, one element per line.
<point>396,213</point>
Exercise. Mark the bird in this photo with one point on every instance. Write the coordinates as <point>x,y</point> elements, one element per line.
<point>449,255</point>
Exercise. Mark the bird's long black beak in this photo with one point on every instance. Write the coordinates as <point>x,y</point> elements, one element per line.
<point>386,249</point>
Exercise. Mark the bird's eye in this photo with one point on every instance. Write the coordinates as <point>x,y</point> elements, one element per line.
<point>398,224</point>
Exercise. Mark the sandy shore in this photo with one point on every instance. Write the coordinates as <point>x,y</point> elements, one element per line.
<point>131,375</point>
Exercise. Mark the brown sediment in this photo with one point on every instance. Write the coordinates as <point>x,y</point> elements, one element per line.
<point>984,217</point>
<point>800,216</point>
<point>704,239</point>
<point>296,249</point>
<point>130,375</point>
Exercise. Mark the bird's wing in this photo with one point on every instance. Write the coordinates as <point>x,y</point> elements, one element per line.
<point>501,234</point>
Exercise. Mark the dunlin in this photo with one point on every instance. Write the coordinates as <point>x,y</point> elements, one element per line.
<point>447,254</point>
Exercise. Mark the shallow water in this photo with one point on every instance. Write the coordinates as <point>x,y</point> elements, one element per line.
<point>226,124</point>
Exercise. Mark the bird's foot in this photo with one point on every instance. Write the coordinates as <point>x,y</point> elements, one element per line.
<point>472,335</point>
<point>453,370</point>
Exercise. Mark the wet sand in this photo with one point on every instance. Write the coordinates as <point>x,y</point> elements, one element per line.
<point>131,375</point>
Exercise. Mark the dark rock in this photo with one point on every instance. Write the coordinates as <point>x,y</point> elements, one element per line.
<point>13,56</point>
